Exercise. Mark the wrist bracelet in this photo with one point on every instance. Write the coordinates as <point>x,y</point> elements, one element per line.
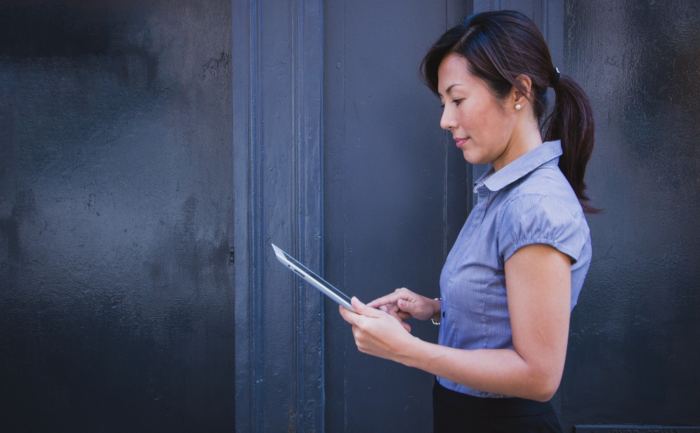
<point>436,317</point>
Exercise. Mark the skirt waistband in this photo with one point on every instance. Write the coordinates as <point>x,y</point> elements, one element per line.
<point>480,406</point>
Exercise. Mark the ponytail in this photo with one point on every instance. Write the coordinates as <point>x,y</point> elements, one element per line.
<point>572,122</point>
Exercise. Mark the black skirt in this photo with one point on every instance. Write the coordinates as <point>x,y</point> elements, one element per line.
<point>454,412</point>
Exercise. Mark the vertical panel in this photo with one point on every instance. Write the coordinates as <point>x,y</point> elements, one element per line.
<point>308,87</point>
<point>633,355</point>
<point>278,167</point>
<point>395,196</point>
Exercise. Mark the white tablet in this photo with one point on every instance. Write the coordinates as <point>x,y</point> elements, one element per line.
<point>310,277</point>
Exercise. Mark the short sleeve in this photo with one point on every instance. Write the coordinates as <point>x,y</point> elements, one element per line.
<point>540,219</point>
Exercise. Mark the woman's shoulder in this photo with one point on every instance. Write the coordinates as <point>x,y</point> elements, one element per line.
<point>542,209</point>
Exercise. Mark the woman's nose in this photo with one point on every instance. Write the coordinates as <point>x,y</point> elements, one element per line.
<point>447,120</point>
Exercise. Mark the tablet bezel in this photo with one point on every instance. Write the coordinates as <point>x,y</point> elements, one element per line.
<point>312,278</point>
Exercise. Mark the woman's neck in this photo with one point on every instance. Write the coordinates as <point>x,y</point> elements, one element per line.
<point>521,142</point>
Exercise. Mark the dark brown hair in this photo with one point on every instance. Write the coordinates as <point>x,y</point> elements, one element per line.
<point>501,45</point>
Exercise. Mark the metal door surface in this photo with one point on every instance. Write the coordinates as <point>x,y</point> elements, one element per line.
<point>339,160</point>
<point>396,196</point>
<point>116,300</point>
<point>633,357</point>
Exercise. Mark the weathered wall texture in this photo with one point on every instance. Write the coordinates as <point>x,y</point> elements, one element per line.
<point>116,307</point>
<point>634,351</point>
<point>120,147</point>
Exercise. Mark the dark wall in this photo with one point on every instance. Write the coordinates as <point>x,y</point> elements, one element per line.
<point>116,306</point>
<point>634,351</point>
<point>277,108</point>
<point>395,192</point>
<point>116,213</point>
<point>339,159</point>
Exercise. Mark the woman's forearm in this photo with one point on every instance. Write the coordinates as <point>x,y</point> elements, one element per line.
<point>500,371</point>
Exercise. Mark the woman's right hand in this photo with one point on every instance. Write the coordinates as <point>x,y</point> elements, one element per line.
<point>403,303</point>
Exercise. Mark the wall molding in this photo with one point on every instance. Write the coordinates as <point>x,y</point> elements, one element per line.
<point>269,208</point>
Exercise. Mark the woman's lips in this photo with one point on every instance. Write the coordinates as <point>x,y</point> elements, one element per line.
<point>459,142</point>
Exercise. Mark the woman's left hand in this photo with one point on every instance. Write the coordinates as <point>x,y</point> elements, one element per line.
<point>376,332</point>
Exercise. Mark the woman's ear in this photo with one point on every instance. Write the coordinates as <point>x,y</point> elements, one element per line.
<point>522,94</point>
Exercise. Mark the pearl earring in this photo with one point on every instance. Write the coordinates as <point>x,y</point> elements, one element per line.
<point>518,106</point>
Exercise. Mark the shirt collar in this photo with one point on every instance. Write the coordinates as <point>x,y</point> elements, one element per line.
<point>520,167</point>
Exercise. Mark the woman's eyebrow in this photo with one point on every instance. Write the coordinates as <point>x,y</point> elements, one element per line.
<point>449,88</point>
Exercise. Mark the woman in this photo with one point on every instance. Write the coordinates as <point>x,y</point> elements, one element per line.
<point>516,269</point>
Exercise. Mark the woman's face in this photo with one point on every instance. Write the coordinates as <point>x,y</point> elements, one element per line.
<point>480,123</point>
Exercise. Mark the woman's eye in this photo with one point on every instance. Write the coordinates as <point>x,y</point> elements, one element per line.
<point>457,101</point>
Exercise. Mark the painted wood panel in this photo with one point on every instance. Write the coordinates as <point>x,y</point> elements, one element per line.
<point>277,172</point>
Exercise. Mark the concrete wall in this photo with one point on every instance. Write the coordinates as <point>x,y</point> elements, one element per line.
<point>633,355</point>
<point>116,307</point>
<point>129,131</point>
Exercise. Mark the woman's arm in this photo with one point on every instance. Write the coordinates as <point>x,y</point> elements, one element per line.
<point>538,281</point>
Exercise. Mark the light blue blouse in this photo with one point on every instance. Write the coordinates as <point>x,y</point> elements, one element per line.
<point>529,201</point>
